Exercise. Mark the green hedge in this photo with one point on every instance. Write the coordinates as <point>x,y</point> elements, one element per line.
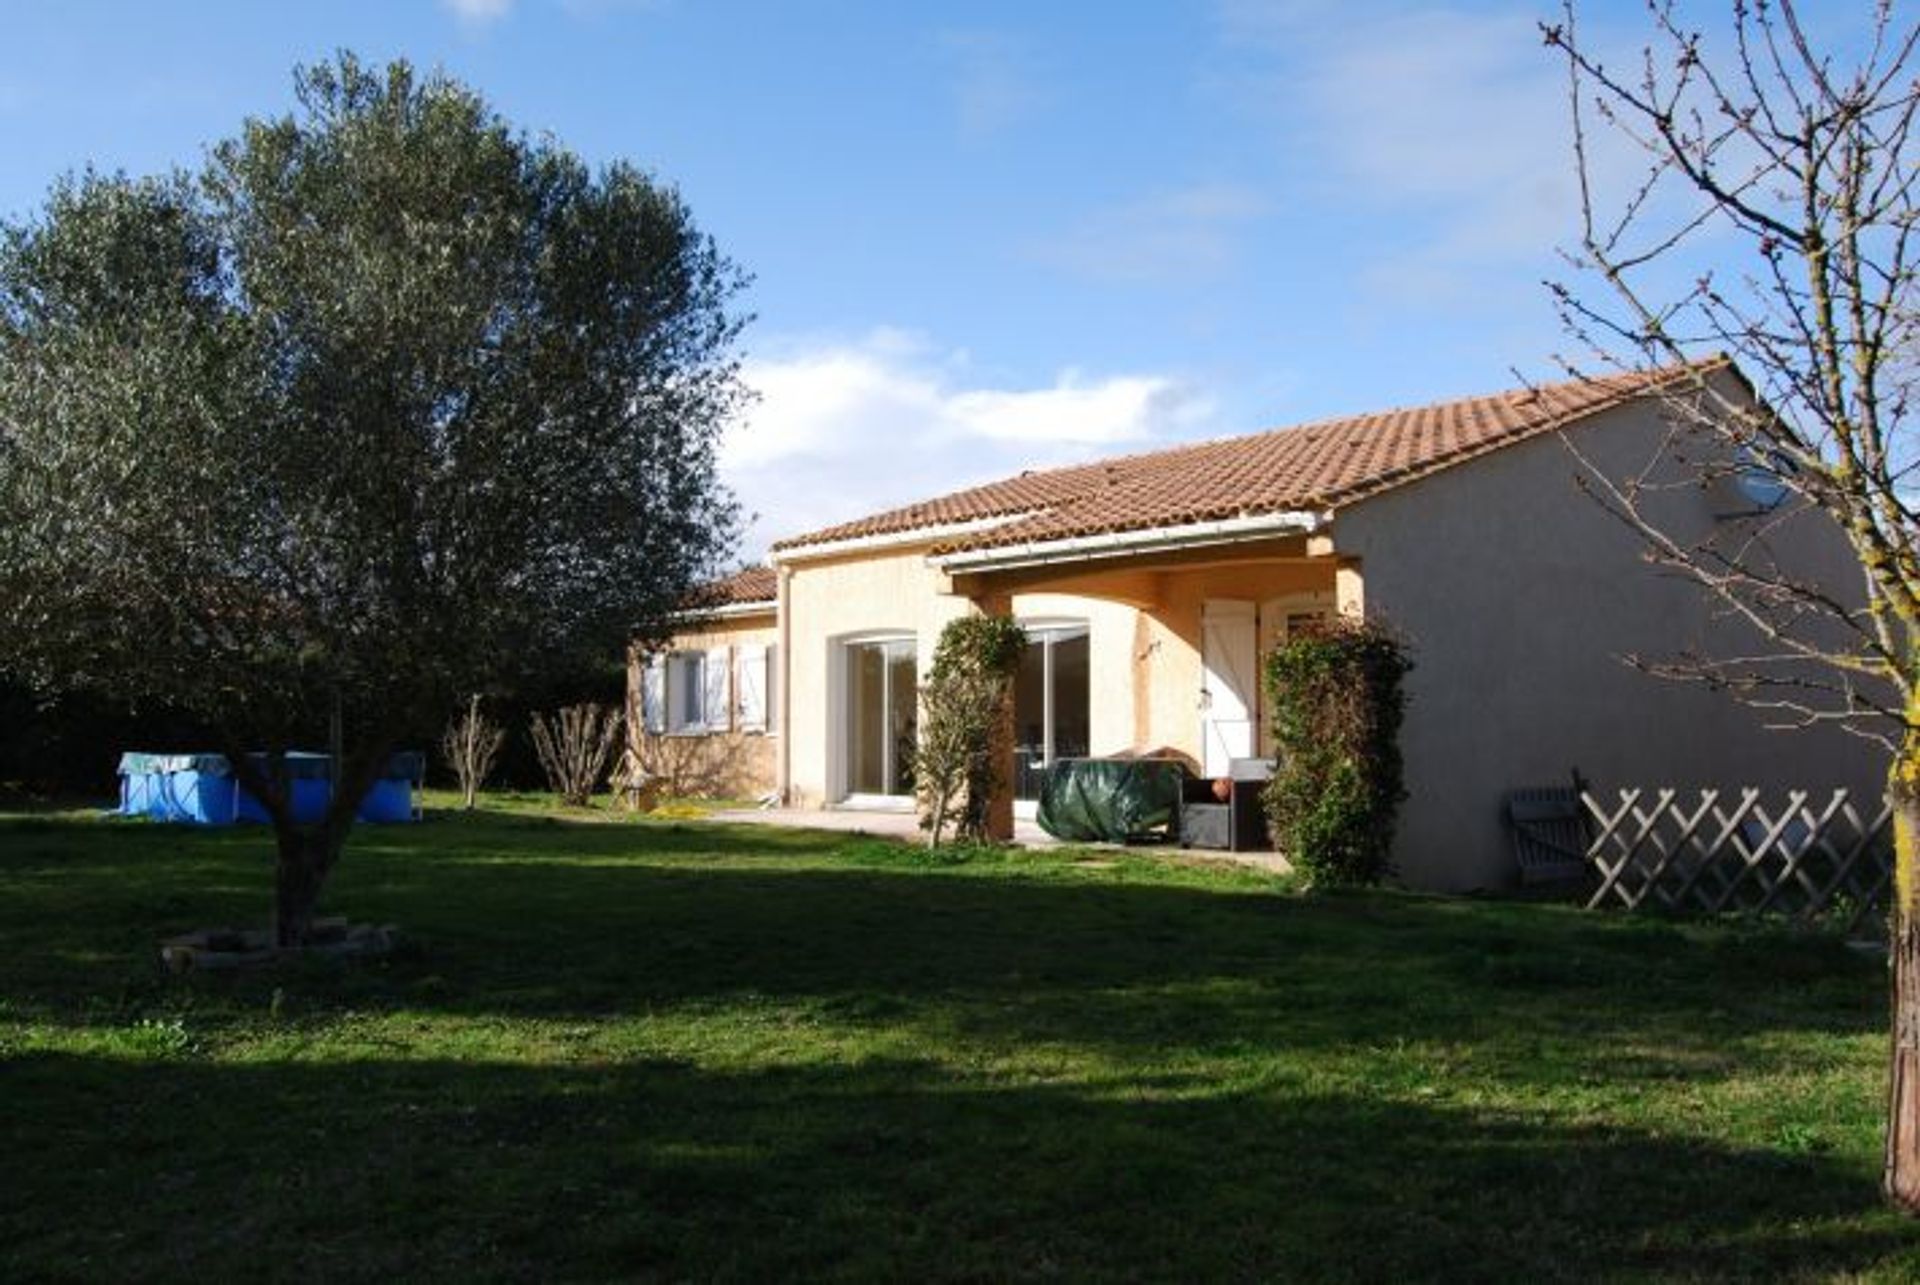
<point>1337,697</point>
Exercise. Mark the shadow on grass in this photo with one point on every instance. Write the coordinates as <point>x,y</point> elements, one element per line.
<point>1203,1121</point>
<point>886,1169</point>
<point>625,920</point>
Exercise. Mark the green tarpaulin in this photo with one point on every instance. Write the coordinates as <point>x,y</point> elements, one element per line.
<point>1111,800</point>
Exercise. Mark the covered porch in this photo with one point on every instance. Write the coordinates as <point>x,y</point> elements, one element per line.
<point>1145,650</point>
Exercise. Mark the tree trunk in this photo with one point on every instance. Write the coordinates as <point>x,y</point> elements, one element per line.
<point>306,854</point>
<point>1903,1094</point>
<point>940,800</point>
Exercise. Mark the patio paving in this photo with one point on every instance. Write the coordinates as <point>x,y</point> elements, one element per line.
<point>904,825</point>
<point>884,822</point>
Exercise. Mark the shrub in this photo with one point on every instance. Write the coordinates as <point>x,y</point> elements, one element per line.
<point>1336,693</point>
<point>575,747</point>
<point>963,741</point>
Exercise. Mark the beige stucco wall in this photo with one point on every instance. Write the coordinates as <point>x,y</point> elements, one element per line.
<point>732,764</point>
<point>829,602</point>
<point>1520,595</point>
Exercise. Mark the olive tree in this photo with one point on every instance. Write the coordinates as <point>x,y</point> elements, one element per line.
<point>383,404</point>
<point>1748,190</point>
<point>965,736</point>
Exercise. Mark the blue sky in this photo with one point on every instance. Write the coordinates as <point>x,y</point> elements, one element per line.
<point>986,236</point>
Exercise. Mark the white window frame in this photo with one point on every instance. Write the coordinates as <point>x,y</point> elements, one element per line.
<point>838,729</point>
<point>685,692</point>
<point>1045,632</point>
<point>775,680</point>
<point>697,691</point>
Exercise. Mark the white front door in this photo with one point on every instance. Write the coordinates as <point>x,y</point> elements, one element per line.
<point>1230,680</point>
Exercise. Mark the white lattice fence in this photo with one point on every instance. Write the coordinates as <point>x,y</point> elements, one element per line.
<point>1800,854</point>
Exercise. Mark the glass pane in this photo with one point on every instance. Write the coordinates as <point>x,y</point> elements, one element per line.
<point>866,710</point>
<point>687,685</point>
<point>1029,718</point>
<point>903,718</point>
<point>1072,697</point>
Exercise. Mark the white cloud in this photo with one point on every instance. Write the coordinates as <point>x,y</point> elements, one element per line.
<point>1188,234</point>
<point>848,428</point>
<point>478,13</point>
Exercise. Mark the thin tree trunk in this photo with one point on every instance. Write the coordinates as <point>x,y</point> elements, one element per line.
<point>306,854</point>
<point>1903,1093</point>
<point>470,753</point>
<point>939,819</point>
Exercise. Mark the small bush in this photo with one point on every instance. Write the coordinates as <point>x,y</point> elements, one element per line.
<point>1336,692</point>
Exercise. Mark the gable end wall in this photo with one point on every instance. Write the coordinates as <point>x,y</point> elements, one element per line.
<point>1520,595</point>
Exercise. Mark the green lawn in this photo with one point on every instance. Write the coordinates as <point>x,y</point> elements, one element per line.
<point>620,1049</point>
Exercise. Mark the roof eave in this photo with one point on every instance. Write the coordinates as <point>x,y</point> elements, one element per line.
<point>1121,544</point>
<point>727,611</point>
<point>933,533</point>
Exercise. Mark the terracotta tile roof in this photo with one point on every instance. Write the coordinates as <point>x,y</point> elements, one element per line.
<point>748,585</point>
<point>1314,467</point>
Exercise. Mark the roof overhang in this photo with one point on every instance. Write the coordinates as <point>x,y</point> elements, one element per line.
<point>891,539</point>
<point>726,611</point>
<point>1123,544</point>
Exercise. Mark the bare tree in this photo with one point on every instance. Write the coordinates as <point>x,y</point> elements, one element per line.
<point>471,746</point>
<point>1769,218</point>
<point>575,747</point>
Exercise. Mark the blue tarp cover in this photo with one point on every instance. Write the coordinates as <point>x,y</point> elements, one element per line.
<point>408,765</point>
<point>200,788</point>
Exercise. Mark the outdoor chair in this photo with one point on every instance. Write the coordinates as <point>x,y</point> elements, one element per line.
<point>1550,836</point>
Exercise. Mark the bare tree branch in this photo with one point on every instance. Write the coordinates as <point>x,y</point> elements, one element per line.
<point>1801,154</point>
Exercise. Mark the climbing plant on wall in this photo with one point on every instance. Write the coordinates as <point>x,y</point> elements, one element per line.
<point>1337,698</point>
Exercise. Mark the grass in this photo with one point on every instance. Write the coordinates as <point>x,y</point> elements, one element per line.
<point>620,1049</point>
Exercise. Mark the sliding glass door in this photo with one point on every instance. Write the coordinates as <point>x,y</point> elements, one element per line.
<point>882,716</point>
<point>1051,704</point>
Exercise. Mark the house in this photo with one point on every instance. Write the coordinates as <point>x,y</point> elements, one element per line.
<point>1151,584</point>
